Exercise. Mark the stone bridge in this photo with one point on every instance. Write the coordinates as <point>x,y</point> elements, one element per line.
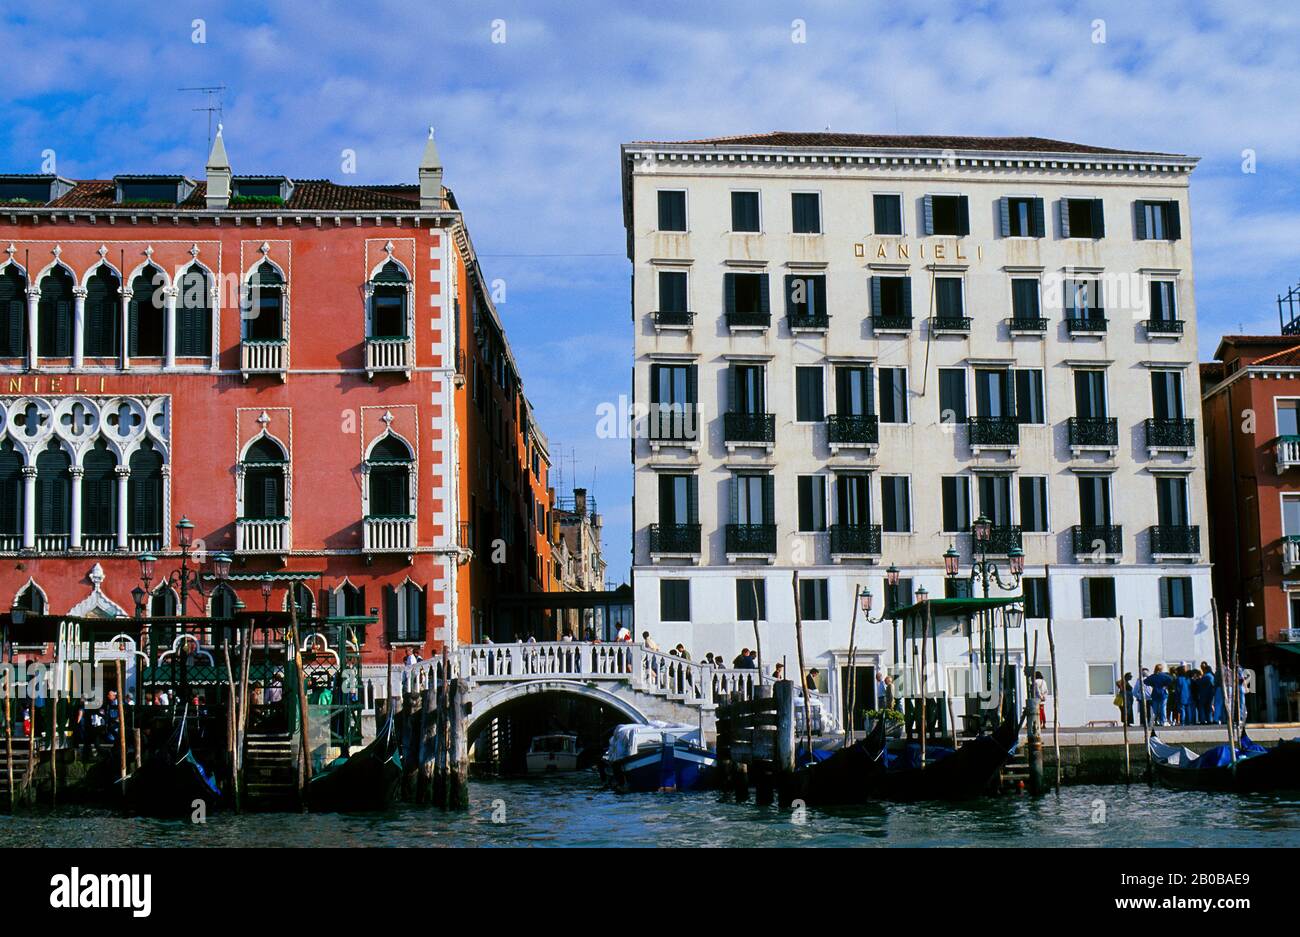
<point>639,684</point>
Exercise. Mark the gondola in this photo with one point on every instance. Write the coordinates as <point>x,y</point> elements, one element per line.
<point>948,775</point>
<point>1256,768</point>
<point>171,782</point>
<point>366,781</point>
<point>844,776</point>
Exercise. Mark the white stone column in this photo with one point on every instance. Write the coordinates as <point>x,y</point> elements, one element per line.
<point>125,331</point>
<point>33,301</point>
<point>79,327</point>
<point>74,541</point>
<point>123,475</point>
<point>170,327</point>
<point>29,507</point>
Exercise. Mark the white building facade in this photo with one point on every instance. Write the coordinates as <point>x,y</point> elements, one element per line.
<point>850,347</point>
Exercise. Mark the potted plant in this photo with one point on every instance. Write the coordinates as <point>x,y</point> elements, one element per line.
<point>893,721</point>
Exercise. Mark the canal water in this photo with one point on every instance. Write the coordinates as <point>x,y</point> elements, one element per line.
<point>574,811</point>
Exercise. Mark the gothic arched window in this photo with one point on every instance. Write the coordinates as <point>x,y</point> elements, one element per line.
<point>13,313</point>
<point>194,314</point>
<point>264,466</point>
<point>54,315</point>
<point>146,317</point>
<point>389,478</point>
<point>103,314</point>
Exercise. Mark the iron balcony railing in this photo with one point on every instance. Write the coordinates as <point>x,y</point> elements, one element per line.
<point>749,427</point>
<point>994,431</point>
<point>1098,538</point>
<point>677,317</point>
<point>817,320</point>
<point>1171,433</point>
<point>751,538</point>
<point>855,539</point>
<point>892,323</point>
<point>1094,431</point>
<point>674,538</point>
<point>951,323</point>
<point>1028,324</point>
<point>1181,539</point>
<point>1088,323</point>
<point>1164,326</point>
<point>1002,537</point>
<point>1287,450</point>
<point>853,428</point>
<point>673,422</point>
<point>749,320</point>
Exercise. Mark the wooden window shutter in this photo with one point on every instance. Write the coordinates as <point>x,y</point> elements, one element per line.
<point>17,327</point>
<point>764,299</point>
<point>1098,218</point>
<point>1064,206</point>
<point>1140,220</point>
<point>927,216</point>
<point>63,328</point>
<point>331,603</point>
<point>655,371</point>
<point>1038,226</point>
<point>769,499</point>
<point>390,614</point>
<point>963,215</point>
<point>133,325</point>
<point>1004,215</point>
<point>875,296</point>
<point>1175,225</point>
<point>907,296</point>
<point>423,613</point>
<point>692,384</point>
<point>729,291</point>
<point>733,391</point>
<point>734,494</point>
<point>692,500</point>
<point>790,307</point>
<point>666,506</point>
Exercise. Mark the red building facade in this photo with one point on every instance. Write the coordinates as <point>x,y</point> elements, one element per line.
<point>284,363</point>
<point>1251,403</point>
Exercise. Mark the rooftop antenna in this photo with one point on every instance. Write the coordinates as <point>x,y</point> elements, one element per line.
<point>214,93</point>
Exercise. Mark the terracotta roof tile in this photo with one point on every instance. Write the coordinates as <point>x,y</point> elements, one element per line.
<point>308,195</point>
<point>785,138</point>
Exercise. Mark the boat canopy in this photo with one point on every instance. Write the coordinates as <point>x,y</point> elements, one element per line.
<point>629,738</point>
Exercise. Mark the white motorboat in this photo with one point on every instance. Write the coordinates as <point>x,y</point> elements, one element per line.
<point>553,754</point>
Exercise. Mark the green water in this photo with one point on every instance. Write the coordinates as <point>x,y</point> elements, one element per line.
<point>574,811</point>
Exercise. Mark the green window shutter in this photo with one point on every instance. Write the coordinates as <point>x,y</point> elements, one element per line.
<point>390,613</point>
<point>63,328</point>
<point>1064,207</point>
<point>927,216</point>
<point>734,495</point>
<point>1004,216</point>
<point>134,313</point>
<point>666,505</point>
<point>729,292</point>
<point>1098,219</point>
<point>791,308</point>
<point>875,296</point>
<point>963,215</point>
<point>692,500</point>
<point>1140,219</point>
<point>764,299</point>
<point>692,384</point>
<point>769,499</point>
<point>1038,226</point>
<point>1175,225</point>
<point>907,296</point>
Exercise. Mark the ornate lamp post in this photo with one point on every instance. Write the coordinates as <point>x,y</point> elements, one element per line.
<point>186,577</point>
<point>984,570</point>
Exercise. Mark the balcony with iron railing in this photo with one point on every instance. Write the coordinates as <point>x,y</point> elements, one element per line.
<point>751,539</point>
<point>1099,541</point>
<point>1175,541</point>
<point>1094,323</point>
<point>951,325</point>
<point>1165,327</point>
<point>891,322</point>
<point>262,535</point>
<point>993,432</point>
<point>809,322</point>
<point>388,534</point>
<point>749,429</point>
<point>1027,324</point>
<point>1287,451</point>
<point>389,354</point>
<point>1002,538</point>
<point>748,320</point>
<point>673,319</point>
<point>855,540</point>
<point>852,431</point>
<point>1170,434</point>
<point>675,539</point>
<point>263,356</point>
<point>1093,432</point>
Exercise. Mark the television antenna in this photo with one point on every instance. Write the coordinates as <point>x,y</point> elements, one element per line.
<point>214,93</point>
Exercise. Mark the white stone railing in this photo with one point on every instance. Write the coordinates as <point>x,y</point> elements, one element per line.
<point>262,535</point>
<point>388,534</point>
<point>1291,553</point>
<point>388,354</point>
<point>11,543</point>
<point>1288,453</point>
<point>264,356</point>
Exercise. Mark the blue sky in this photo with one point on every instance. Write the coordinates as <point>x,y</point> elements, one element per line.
<point>529,128</point>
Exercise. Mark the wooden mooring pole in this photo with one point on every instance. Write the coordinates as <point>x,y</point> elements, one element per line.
<point>1123,706</point>
<point>424,792</point>
<point>783,694</point>
<point>1140,693</point>
<point>121,722</point>
<point>458,747</point>
<point>803,674</point>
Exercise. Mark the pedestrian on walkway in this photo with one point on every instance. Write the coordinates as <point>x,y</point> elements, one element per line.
<point>1159,682</point>
<point>1186,714</point>
<point>1128,699</point>
<point>1205,692</point>
<point>648,642</point>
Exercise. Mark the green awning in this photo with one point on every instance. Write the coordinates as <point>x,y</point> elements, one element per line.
<point>956,606</point>
<point>1293,648</point>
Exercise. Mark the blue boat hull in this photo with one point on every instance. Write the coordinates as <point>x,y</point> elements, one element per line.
<point>654,768</point>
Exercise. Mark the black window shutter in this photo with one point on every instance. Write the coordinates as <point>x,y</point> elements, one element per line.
<point>692,384</point>
<point>733,395</point>
<point>963,215</point>
<point>422,611</point>
<point>729,292</point>
<point>666,504</point>
<point>692,500</point>
<point>769,499</point>
<point>790,306</point>
<point>1175,227</point>
<point>734,492</point>
<point>875,296</point>
<point>1165,584</point>
<point>655,371</point>
<point>1004,216</point>
<point>390,613</point>
<point>1064,208</point>
<point>1140,220</point>
<point>1038,226</point>
<point>17,327</point>
<point>1098,219</point>
<point>927,216</point>
<point>764,297</point>
<point>133,325</point>
<point>870,383</point>
<point>63,328</point>
<point>907,297</point>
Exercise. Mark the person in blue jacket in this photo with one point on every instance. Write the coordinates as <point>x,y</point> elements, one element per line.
<point>1205,690</point>
<point>1187,680</point>
<point>1159,683</point>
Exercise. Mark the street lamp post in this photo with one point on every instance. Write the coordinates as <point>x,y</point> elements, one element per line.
<point>186,577</point>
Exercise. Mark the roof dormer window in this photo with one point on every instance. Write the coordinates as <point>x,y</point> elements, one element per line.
<point>261,190</point>
<point>153,190</point>
<point>34,190</point>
